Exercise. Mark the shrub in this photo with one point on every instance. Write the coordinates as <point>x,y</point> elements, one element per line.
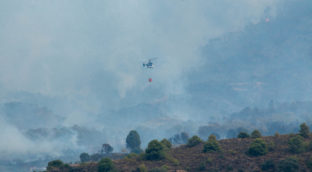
<point>106,165</point>
<point>202,166</point>
<point>212,145</point>
<point>268,165</point>
<point>155,151</point>
<point>256,134</point>
<point>258,148</point>
<point>158,170</point>
<point>163,168</point>
<point>304,130</point>
<point>243,135</point>
<point>107,148</point>
<point>55,164</point>
<point>271,146</point>
<point>309,163</point>
<point>133,141</point>
<point>193,141</point>
<point>296,144</point>
<point>309,146</point>
<point>84,157</point>
<point>141,168</point>
<point>288,165</point>
<point>166,143</point>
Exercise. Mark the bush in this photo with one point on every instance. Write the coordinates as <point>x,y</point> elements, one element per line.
<point>158,170</point>
<point>212,145</point>
<point>296,144</point>
<point>166,143</point>
<point>193,141</point>
<point>256,134</point>
<point>304,130</point>
<point>141,168</point>
<point>258,148</point>
<point>309,163</point>
<point>271,146</point>
<point>288,165</point>
<point>55,164</point>
<point>106,165</point>
<point>84,157</point>
<point>268,165</point>
<point>243,135</point>
<point>133,141</point>
<point>155,151</point>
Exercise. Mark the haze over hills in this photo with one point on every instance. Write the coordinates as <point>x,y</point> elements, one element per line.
<point>79,82</point>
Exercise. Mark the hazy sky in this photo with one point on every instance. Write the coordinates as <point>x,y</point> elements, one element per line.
<point>83,59</point>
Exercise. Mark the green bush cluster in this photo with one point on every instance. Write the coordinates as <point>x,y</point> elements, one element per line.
<point>212,145</point>
<point>309,163</point>
<point>243,135</point>
<point>57,164</point>
<point>257,148</point>
<point>296,144</point>
<point>106,165</point>
<point>268,165</point>
<point>141,168</point>
<point>193,141</point>
<point>155,150</point>
<point>290,164</point>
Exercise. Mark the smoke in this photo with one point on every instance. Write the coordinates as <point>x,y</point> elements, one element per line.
<point>82,60</point>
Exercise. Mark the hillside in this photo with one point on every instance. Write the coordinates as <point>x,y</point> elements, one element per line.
<point>233,157</point>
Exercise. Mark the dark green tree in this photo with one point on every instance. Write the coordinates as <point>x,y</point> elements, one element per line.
<point>84,157</point>
<point>133,141</point>
<point>257,148</point>
<point>106,165</point>
<point>107,148</point>
<point>166,143</point>
<point>55,164</point>
<point>304,130</point>
<point>155,150</point>
<point>243,135</point>
<point>212,145</point>
<point>296,144</point>
<point>256,134</point>
<point>193,141</point>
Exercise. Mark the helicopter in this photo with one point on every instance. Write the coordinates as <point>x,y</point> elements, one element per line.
<point>149,64</point>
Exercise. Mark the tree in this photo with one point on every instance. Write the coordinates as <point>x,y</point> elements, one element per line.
<point>257,148</point>
<point>84,157</point>
<point>166,143</point>
<point>212,145</point>
<point>55,164</point>
<point>256,134</point>
<point>304,130</point>
<point>155,150</point>
<point>288,165</point>
<point>243,135</point>
<point>268,165</point>
<point>296,144</point>
<point>133,141</point>
<point>107,149</point>
<point>106,165</point>
<point>193,141</point>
